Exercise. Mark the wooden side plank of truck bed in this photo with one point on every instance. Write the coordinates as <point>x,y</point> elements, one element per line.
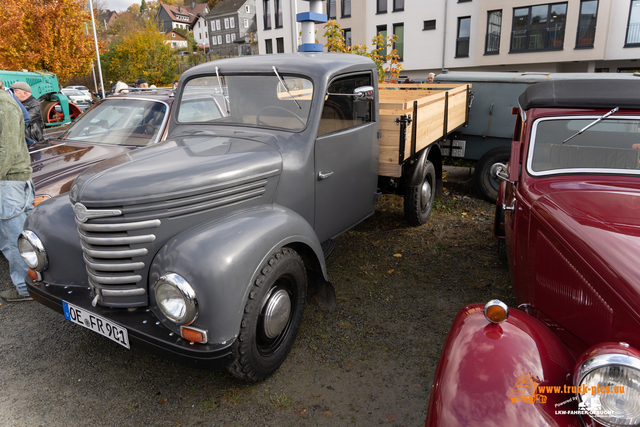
<point>435,111</point>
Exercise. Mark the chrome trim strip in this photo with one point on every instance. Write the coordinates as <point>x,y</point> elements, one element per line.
<point>83,214</point>
<point>114,267</point>
<point>130,253</point>
<point>119,280</point>
<point>118,241</point>
<point>122,292</point>
<point>127,226</point>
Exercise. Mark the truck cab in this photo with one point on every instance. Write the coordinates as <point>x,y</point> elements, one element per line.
<point>204,247</point>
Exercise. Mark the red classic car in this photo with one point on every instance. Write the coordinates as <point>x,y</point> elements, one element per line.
<point>569,213</point>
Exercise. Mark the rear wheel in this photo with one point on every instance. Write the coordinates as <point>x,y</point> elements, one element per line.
<point>486,182</point>
<point>418,200</point>
<point>272,317</point>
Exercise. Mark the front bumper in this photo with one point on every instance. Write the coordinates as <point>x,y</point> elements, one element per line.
<point>145,329</point>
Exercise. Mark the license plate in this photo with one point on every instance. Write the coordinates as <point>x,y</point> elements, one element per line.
<point>97,324</point>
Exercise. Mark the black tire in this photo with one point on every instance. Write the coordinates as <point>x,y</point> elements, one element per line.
<point>486,184</point>
<point>260,351</point>
<point>418,200</point>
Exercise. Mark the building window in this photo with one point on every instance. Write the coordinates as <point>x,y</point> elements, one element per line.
<point>280,44</point>
<point>232,22</point>
<point>633,28</point>
<point>226,23</point>
<point>462,41</point>
<point>346,8</point>
<point>398,5</point>
<point>398,31</point>
<point>268,46</point>
<point>233,37</point>
<point>267,16</point>
<point>429,25</point>
<point>347,36</point>
<point>463,1</point>
<point>538,27</point>
<point>331,9</point>
<point>278,6</point>
<point>382,6</point>
<point>246,23</point>
<point>382,49</point>
<point>213,40</point>
<point>227,38</point>
<point>213,25</point>
<point>587,23</point>
<point>217,24</point>
<point>219,39</point>
<point>247,9</point>
<point>494,28</point>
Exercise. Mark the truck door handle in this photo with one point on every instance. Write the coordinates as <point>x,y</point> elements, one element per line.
<point>508,208</point>
<point>322,176</point>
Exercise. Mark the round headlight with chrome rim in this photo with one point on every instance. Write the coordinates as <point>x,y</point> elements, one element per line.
<point>32,251</point>
<point>607,379</point>
<point>176,299</point>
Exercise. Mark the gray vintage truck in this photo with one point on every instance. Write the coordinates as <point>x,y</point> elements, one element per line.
<point>204,247</point>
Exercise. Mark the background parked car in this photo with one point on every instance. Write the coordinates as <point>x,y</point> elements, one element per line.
<point>82,89</point>
<point>81,99</point>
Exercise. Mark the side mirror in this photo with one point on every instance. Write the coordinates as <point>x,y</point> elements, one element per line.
<point>501,172</point>
<point>364,93</point>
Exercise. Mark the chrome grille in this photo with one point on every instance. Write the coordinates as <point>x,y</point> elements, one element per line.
<point>108,254</point>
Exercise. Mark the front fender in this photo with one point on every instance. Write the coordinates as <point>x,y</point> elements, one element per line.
<point>222,258</point>
<point>480,367</point>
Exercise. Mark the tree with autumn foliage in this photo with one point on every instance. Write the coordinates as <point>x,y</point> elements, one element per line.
<point>143,54</point>
<point>382,52</point>
<point>46,36</point>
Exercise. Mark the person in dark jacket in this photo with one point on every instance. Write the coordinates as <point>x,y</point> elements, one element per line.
<point>33,133</point>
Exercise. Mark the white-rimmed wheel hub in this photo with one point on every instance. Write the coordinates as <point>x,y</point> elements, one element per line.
<point>276,313</point>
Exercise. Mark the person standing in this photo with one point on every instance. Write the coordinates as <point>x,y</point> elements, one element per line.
<point>33,132</point>
<point>25,114</point>
<point>16,192</point>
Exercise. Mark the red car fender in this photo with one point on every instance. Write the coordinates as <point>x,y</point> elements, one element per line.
<point>498,374</point>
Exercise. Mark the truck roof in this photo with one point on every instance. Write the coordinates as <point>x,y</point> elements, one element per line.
<point>315,65</point>
<point>599,93</point>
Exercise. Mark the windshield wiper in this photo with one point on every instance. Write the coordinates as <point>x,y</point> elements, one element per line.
<point>285,86</point>
<point>591,124</point>
<point>226,103</point>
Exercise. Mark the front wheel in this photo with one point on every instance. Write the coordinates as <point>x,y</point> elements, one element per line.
<point>272,317</point>
<point>418,200</point>
<point>486,182</point>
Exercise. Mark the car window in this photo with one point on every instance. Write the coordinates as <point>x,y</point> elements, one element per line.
<point>121,121</point>
<point>341,110</point>
<point>606,147</point>
<point>203,109</point>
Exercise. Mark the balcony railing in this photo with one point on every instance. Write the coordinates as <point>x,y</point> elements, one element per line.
<point>586,35</point>
<point>462,47</point>
<point>633,35</point>
<point>492,43</point>
<point>538,39</point>
<point>267,21</point>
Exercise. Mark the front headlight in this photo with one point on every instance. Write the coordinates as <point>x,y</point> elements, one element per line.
<point>176,299</point>
<point>608,385</point>
<point>32,251</point>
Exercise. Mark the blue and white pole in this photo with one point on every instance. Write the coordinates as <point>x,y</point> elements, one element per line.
<point>308,22</point>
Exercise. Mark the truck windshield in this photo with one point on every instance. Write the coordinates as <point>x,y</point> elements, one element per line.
<point>254,100</point>
<point>610,146</point>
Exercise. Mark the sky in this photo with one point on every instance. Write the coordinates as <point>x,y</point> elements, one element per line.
<point>119,5</point>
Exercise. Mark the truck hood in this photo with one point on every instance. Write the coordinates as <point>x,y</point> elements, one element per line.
<point>56,163</point>
<point>602,223</point>
<point>176,168</point>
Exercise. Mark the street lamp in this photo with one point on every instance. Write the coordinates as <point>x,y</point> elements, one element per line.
<point>95,38</point>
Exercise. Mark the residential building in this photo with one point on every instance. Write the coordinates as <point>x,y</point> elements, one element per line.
<point>229,24</point>
<point>172,17</point>
<point>480,35</point>
<point>200,31</point>
<point>176,40</point>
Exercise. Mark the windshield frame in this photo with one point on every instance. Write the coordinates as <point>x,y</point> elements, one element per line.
<point>578,170</point>
<point>259,74</point>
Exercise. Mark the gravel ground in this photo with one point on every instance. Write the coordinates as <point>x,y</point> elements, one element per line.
<point>369,363</point>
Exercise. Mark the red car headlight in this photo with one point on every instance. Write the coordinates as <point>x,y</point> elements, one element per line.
<point>607,379</point>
